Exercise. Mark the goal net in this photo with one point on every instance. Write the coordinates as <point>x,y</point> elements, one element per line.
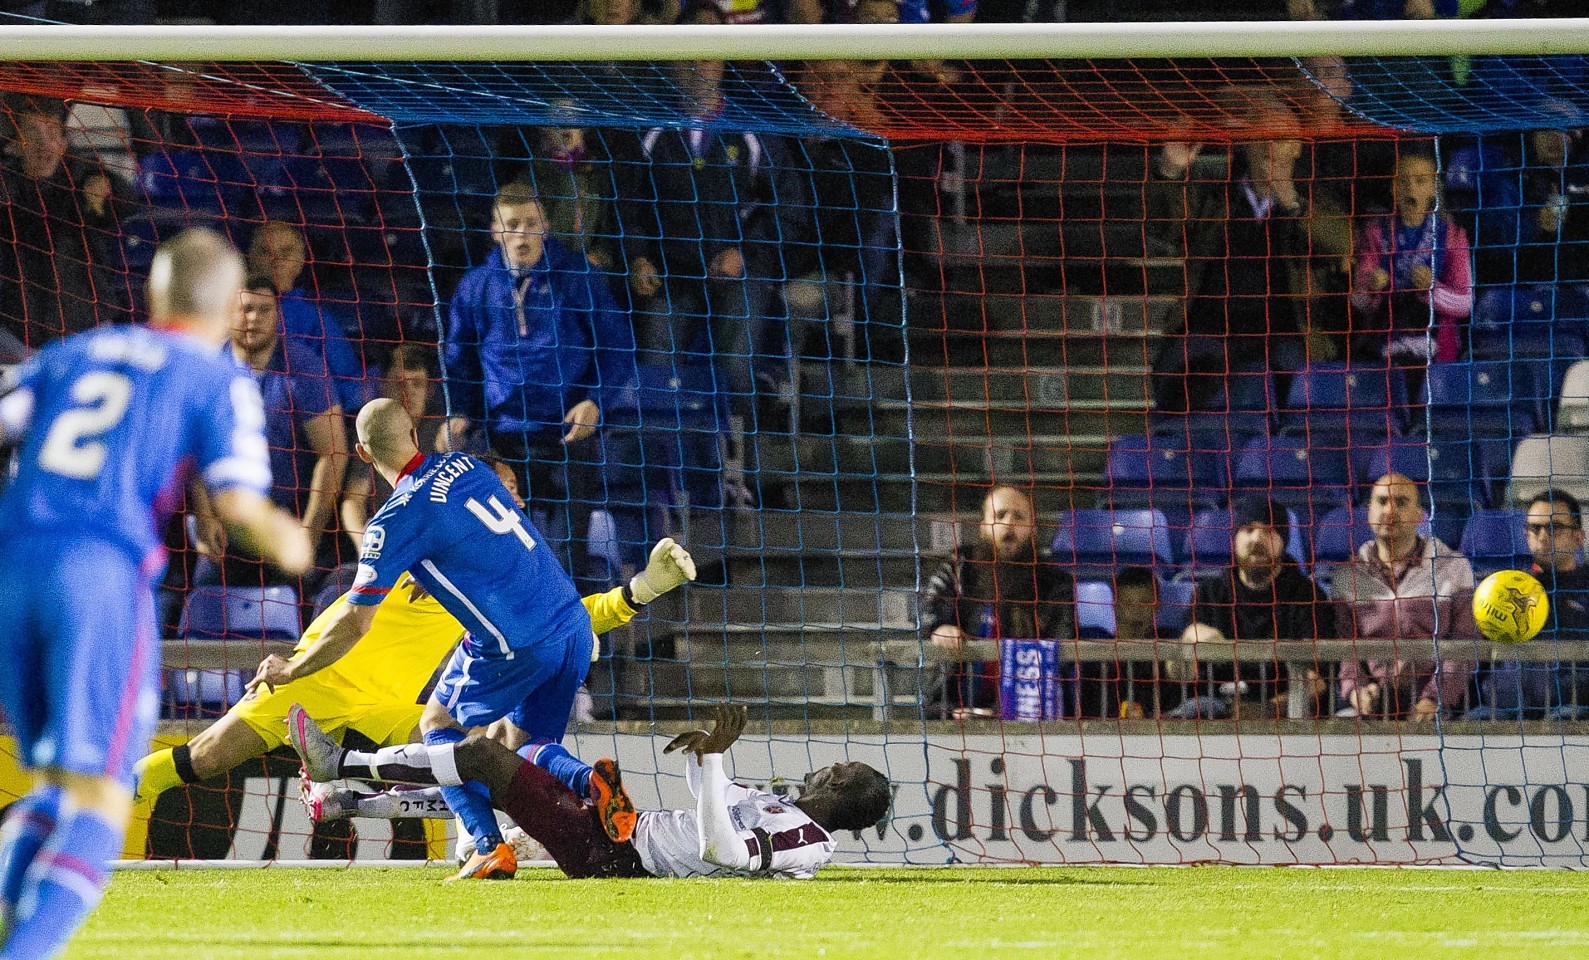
<point>970,386</point>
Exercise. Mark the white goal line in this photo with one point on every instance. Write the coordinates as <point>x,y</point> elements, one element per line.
<point>977,41</point>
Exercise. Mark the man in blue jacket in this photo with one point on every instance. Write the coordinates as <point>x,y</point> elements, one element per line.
<point>535,348</point>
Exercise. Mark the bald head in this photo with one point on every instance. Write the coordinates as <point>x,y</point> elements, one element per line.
<point>196,281</point>
<point>386,434</point>
<point>1395,511</point>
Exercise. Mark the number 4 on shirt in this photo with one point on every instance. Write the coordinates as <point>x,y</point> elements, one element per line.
<point>500,519</point>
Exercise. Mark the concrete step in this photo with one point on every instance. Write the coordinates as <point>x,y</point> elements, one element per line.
<point>1017,351</point>
<point>1027,312</point>
<point>1037,385</point>
<point>892,607</point>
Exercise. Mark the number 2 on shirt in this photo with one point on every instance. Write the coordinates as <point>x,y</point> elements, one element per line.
<point>500,519</point>
<point>72,447</point>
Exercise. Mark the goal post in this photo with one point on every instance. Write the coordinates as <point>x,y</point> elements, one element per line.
<point>849,317</point>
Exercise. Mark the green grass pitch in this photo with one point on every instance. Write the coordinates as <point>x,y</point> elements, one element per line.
<point>1091,912</point>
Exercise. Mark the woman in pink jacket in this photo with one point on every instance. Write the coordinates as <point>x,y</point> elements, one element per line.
<point>1410,261</point>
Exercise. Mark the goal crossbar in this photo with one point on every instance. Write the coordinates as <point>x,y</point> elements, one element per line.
<point>793,42</point>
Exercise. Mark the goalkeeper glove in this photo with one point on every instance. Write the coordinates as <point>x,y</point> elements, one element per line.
<point>669,566</point>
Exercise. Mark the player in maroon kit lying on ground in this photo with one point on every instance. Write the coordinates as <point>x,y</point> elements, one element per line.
<point>733,831</point>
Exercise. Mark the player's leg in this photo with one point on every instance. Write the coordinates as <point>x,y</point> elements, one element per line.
<point>30,821</point>
<point>100,705</point>
<point>218,749</point>
<point>543,717</point>
<point>545,809</point>
<point>556,818</point>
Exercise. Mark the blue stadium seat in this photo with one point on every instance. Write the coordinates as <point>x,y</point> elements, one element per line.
<point>1095,609</point>
<point>1529,321</point>
<point>1208,546</point>
<point>1292,470</point>
<point>1338,534</point>
<point>1464,473</point>
<point>186,180</point>
<point>1495,540</point>
<point>335,190</point>
<point>1175,599</point>
<point>1410,458</point>
<point>1494,397</point>
<point>1464,170</point>
<point>1166,470</point>
<point>1105,539</point>
<point>229,613</point>
<point>1361,400</point>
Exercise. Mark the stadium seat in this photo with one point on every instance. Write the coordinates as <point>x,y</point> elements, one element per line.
<point>1105,540</point>
<point>1572,405</point>
<point>1465,473</point>
<point>1483,397</point>
<point>1291,471</point>
<point>1175,599</point>
<point>1410,458</point>
<point>1529,321</point>
<point>1358,400</point>
<point>1162,468</point>
<point>229,613</point>
<point>1542,461</point>
<point>1095,610</point>
<point>1494,540</point>
<point>1208,545</point>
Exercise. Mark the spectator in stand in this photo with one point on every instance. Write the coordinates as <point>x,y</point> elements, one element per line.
<point>307,436</point>
<point>409,379</point>
<point>278,250</point>
<point>1004,585</point>
<point>1135,685</point>
<point>1405,587</point>
<point>1248,250</point>
<point>1531,689</point>
<point>1410,261</point>
<point>534,348</point>
<point>703,243</point>
<point>572,170</point>
<point>1532,225</point>
<point>54,280</point>
<point>1262,598</point>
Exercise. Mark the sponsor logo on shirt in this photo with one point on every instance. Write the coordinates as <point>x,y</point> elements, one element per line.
<point>374,542</point>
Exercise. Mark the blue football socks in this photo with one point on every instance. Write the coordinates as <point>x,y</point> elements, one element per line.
<point>29,823</point>
<point>555,759</point>
<point>63,884</point>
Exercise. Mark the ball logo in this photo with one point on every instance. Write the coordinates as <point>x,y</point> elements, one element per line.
<point>1519,603</point>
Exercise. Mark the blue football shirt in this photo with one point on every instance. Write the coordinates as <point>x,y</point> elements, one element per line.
<point>452,524</point>
<point>115,421</point>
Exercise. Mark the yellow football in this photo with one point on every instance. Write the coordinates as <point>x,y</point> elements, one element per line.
<point>1510,606</point>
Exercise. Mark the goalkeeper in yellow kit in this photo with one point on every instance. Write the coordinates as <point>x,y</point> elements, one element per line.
<point>380,687</point>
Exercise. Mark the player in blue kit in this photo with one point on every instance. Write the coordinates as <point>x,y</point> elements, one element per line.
<point>454,527</point>
<point>113,423</point>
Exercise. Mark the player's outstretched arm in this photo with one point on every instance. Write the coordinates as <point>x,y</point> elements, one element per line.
<point>669,566</point>
<point>720,842</point>
<point>264,528</point>
<point>346,627</point>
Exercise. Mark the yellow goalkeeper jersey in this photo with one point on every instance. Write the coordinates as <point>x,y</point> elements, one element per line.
<point>409,639</point>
